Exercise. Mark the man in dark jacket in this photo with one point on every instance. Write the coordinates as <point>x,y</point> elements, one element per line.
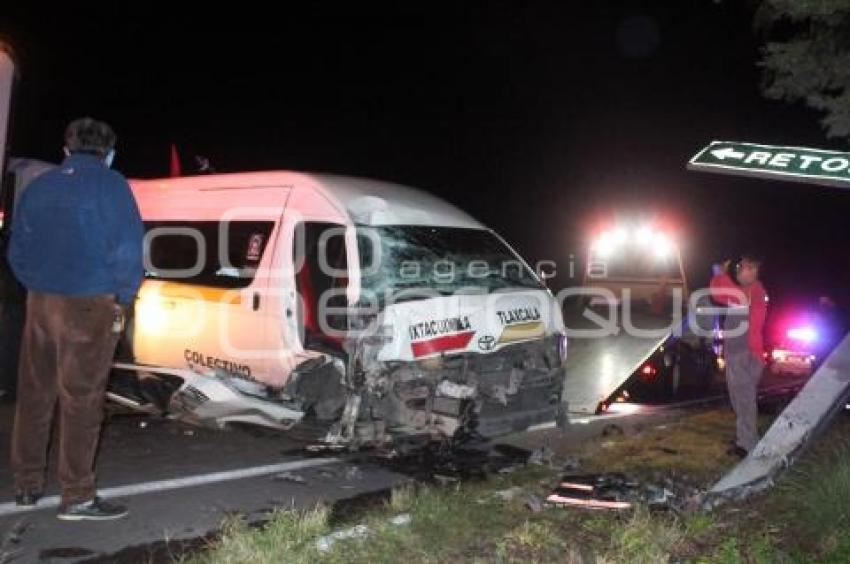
<point>77,247</point>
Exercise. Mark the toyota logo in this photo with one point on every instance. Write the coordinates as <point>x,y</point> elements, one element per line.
<point>487,343</point>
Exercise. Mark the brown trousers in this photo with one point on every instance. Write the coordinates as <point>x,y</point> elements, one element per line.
<point>66,353</point>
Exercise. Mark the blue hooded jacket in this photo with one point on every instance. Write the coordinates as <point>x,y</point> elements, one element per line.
<point>77,232</point>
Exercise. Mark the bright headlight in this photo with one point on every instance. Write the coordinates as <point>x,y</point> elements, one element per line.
<point>662,245</point>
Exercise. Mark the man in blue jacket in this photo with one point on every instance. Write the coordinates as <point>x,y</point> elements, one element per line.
<point>76,246</point>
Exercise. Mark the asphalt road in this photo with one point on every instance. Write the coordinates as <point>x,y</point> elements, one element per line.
<point>180,483</point>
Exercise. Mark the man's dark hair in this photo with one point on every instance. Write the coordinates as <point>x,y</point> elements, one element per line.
<point>86,135</point>
<point>752,258</point>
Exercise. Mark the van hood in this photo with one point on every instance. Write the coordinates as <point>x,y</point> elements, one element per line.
<point>476,323</point>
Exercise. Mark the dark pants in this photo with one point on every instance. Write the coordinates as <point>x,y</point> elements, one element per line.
<point>66,353</point>
<point>743,373</point>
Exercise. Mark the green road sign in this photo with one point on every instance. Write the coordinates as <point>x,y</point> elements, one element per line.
<point>796,164</point>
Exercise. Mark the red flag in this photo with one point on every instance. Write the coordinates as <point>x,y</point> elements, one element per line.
<point>175,161</point>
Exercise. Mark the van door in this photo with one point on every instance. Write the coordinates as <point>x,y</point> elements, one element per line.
<point>313,285</point>
<point>204,304</point>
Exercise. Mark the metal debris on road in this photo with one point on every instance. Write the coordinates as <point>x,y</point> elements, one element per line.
<point>613,491</point>
<point>9,547</point>
<point>353,473</point>
<point>289,477</point>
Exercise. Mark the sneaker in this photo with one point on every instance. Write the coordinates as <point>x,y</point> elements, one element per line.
<point>96,509</point>
<point>26,497</point>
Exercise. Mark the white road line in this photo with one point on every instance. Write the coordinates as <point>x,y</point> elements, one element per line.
<point>177,483</point>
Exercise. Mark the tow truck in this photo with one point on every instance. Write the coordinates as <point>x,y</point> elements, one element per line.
<point>630,339</point>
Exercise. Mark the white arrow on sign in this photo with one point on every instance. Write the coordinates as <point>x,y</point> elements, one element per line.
<point>729,152</point>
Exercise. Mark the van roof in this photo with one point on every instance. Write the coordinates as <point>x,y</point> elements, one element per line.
<point>365,201</point>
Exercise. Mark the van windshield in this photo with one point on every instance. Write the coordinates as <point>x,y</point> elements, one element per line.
<point>438,259</point>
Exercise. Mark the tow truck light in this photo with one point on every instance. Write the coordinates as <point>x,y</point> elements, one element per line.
<point>644,235</point>
<point>608,241</point>
<point>662,245</point>
<point>620,236</point>
<point>604,245</point>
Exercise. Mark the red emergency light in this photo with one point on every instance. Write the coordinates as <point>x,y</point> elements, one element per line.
<point>648,372</point>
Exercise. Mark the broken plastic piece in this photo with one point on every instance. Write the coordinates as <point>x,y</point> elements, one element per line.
<point>588,503</point>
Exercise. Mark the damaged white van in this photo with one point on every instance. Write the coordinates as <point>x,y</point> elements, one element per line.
<point>345,311</point>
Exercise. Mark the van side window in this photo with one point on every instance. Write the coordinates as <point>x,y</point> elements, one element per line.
<point>320,280</point>
<point>194,248</point>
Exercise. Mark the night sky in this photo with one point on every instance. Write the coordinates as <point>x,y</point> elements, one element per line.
<point>538,118</point>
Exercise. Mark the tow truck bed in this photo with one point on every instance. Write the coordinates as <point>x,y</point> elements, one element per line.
<point>598,366</point>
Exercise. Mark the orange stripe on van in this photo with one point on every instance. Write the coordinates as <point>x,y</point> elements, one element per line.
<point>522,331</point>
<point>196,292</point>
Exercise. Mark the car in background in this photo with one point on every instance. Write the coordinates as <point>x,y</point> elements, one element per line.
<point>801,335</point>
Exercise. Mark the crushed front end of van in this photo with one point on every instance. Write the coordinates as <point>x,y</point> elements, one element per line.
<point>453,337</point>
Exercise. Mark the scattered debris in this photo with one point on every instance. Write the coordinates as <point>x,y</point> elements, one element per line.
<point>509,494</point>
<point>444,480</point>
<point>399,520</point>
<point>325,543</point>
<point>542,456</point>
<point>572,464</point>
<point>289,477</point>
<point>509,469</point>
<point>353,473</point>
<point>658,497</point>
<point>612,430</point>
<point>329,473</point>
<point>533,503</point>
<point>617,492</point>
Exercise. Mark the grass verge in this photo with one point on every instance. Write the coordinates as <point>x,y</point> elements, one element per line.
<point>806,517</point>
